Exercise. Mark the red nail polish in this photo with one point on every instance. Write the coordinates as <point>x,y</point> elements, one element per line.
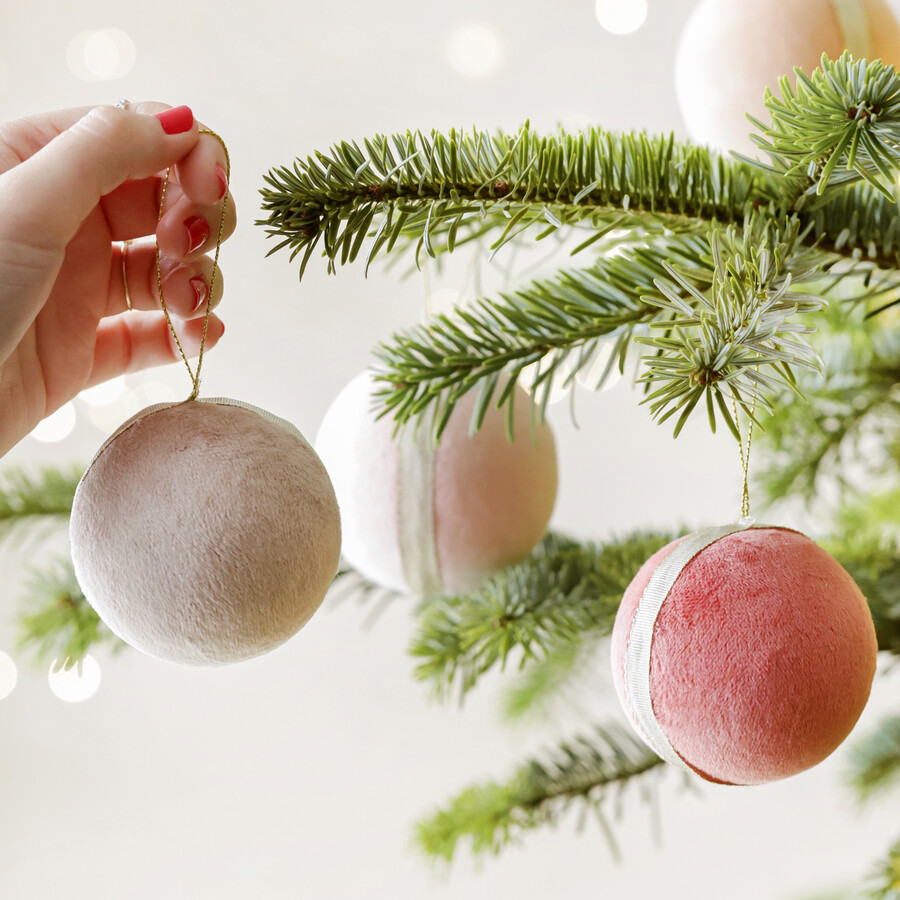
<point>176,120</point>
<point>197,229</point>
<point>201,291</point>
<point>223,180</point>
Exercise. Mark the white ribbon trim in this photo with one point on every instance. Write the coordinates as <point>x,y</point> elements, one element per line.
<point>415,508</point>
<point>640,639</point>
<point>855,27</point>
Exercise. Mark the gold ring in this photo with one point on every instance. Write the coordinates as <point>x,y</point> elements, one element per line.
<point>125,246</point>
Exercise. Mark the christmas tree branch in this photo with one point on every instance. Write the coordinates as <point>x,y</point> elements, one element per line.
<point>57,622</point>
<point>29,501</point>
<point>489,816</point>
<point>855,402</point>
<point>563,593</point>
<point>875,760</point>
<point>720,303</point>
<point>840,124</point>
<point>884,883</point>
<point>432,189</point>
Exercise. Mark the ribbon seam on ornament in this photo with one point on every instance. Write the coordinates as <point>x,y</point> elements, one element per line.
<point>416,456</point>
<point>640,639</point>
<point>853,23</point>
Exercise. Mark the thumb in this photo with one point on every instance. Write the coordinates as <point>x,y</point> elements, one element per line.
<point>47,197</point>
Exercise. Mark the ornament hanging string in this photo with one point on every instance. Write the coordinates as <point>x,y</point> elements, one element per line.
<point>194,374</point>
<point>745,456</point>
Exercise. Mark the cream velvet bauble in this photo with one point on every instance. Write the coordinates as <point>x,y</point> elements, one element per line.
<point>205,532</point>
<point>425,519</point>
<point>732,50</point>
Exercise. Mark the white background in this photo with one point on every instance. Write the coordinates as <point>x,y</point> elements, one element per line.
<point>299,775</point>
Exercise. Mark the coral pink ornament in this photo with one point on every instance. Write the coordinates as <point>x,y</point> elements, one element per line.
<point>428,519</point>
<point>759,660</point>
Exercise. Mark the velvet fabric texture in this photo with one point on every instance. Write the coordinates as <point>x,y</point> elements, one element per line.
<point>204,533</point>
<point>489,502</point>
<point>732,50</point>
<point>763,656</point>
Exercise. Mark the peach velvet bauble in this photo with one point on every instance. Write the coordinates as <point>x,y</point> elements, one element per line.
<point>762,659</point>
<point>205,532</point>
<point>731,50</point>
<point>427,519</point>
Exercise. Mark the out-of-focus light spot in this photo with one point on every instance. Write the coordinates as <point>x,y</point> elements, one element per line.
<point>8,675</point>
<point>475,51</point>
<point>57,426</point>
<point>75,684</point>
<point>107,392</point>
<point>621,16</point>
<point>103,55</point>
<point>602,372</point>
<point>118,411</point>
<point>560,382</point>
<point>442,302</point>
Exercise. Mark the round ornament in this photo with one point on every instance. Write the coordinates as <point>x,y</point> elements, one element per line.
<point>205,532</point>
<point>743,654</point>
<point>730,52</point>
<point>429,519</point>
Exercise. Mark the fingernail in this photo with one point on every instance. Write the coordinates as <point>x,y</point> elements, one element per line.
<point>201,291</point>
<point>176,120</point>
<point>223,180</point>
<point>197,229</point>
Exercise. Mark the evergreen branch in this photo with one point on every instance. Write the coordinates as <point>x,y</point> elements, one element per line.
<point>550,324</point>
<point>57,622</point>
<point>733,323</point>
<point>858,222</point>
<point>492,815</point>
<point>839,124</point>
<point>561,594</point>
<point>722,299</point>
<point>875,567</point>
<point>28,501</point>
<point>884,883</point>
<point>434,189</point>
<point>541,681</point>
<point>855,401</point>
<point>875,761</point>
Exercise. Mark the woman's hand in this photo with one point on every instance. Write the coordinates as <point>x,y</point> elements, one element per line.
<point>72,184</point>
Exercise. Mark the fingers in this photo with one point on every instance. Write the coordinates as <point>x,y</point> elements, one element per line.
<point>58,186</point>
<point>141,340</point>
<point>185,286</point>
<point>187,228</point>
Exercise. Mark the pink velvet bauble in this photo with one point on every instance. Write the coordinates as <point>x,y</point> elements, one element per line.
<point>731,50</point>
<point>205,532</point>
<point>762,658</point>
<point>424,519</point>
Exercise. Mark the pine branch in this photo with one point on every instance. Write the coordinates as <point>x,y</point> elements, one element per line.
<point>722,301</point>
<point>839,124</point>
<point>57,622</point>
<point>854,403</point>
<point>884,883</point>
<point>490,816</point>
<point>431,190</point>
<point>875,760</point>
<point>33,501</point>
<point>543,680</point>
<point>562,594</point>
